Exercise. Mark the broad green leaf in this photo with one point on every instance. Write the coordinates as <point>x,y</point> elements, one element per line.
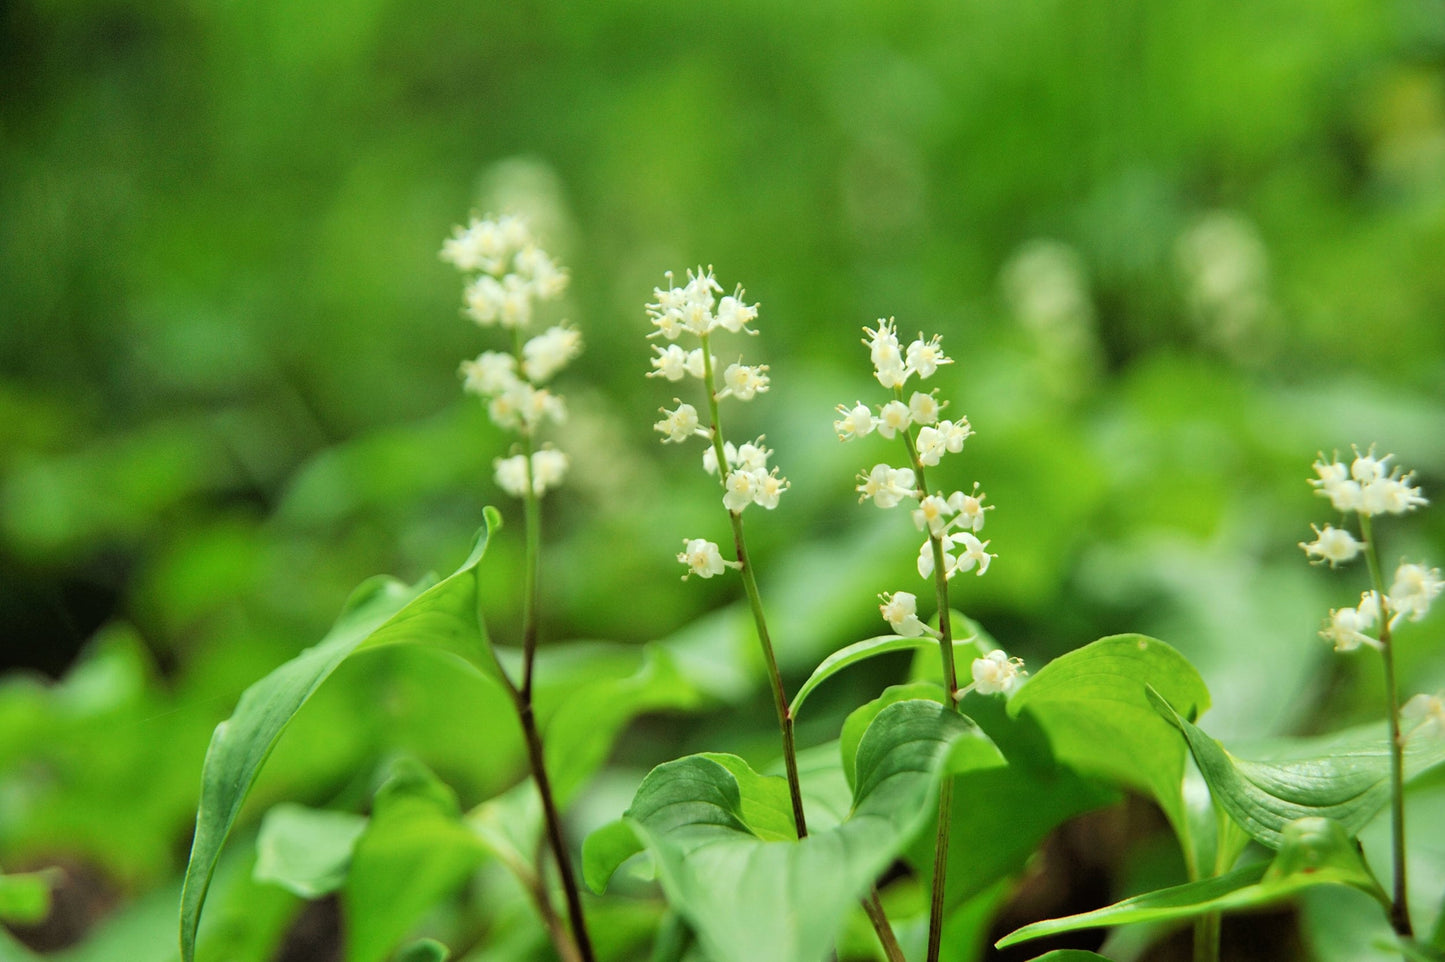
<point>1313,851</point>
<point>1070,955</point>
<point>605,849</point>
<point>1092,704</point>
<point>25,897</point>
<point>306,850</point>
<point>1344,776</point>
<point>852,654</point>
<point>1001,813</point>
<point>415,850</point>
<point>380,612</point>
<point>858,720</point>
<point>580,734</point>
<point>424,950</point>
<point>750,898</point>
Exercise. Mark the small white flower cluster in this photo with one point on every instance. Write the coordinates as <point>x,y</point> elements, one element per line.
<point>998,674</point>
<point>694,308</point>
<point>953,519</point>
<point>512,271</point>
<point>1368,487</point>
<point>512,274</point>
<point>1364,487</point>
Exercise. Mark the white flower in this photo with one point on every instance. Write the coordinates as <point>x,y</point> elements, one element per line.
<point>932,512</point>
<point>492,373</point>
<point>1346,627</point>
<point>751,456</point>
<point>954,433</point>
<point>703,558</point>
<point>924,408</point>
<point>1332,545</point>
<point>1334,483</point>
<point>900,609</point>
<point>886,486</point>
<point>924,357</point>
<point>973,552</point>
<point>549,352</point>
<point>537,268</point>
<point>740,487</point>
<point>522,407</point>
<point>733,315</point>
<point>970,508</point>
<point>1366,486</point>
<point>744,381</point>
<point>887,356</point>
<point>998,674</point>
<point>973,556</point>
<point>892,418</point>
<point>671,363</point>
<point>931,445</point>
<point>696,365</point>
<point>709,457</point>
<point>549,467</point>
<point>511,474</point>
<point>483,245</point>
<point>679,425</point>
<point>1423,715</point>
<point>700,288</point>
<point>1414,588</point>
<point>854,422</point>
<point>770,488</point>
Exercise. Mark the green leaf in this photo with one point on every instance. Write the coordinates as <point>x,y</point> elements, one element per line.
<point>1070,955</point>
<point>580,734</point>
<point>751,898</point>
<point>1344,777</point>
<point>306,851</point>
<point>858,720</point>
<point>415,851</point>
<point>861,651</point>
<point>605,849</point>
<point>25,897</point>
<point>381,612</point>
<point>1313,851</point>
<point>424,950</point>
<point>1092,704</point>
<point>1031,795</point>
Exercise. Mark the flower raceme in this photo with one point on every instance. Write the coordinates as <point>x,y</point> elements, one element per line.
<point>512,274</point>
<point>1366,487</point>
<point>694,310</point>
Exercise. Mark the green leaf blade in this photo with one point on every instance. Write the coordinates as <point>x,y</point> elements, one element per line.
<point>752,897</point>
<point>382,611</point>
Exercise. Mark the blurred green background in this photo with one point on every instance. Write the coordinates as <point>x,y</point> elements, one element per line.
<point>1176,250</point>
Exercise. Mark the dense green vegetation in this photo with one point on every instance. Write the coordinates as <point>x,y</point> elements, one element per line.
<point>1175,250</point>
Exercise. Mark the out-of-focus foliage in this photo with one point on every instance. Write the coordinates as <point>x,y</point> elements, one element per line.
<point>1177,248</point>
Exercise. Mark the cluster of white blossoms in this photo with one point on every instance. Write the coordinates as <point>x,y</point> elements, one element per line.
<point>694,310</point>
<point>954,519</point>
<point>510,275</point>
<point>1364,486</point>
<point>1367,486</point>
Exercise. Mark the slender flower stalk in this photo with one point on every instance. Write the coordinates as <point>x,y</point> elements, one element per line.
<point>951,524</point>
<point>512,274</point>
<point>693,309</point>
<point>1368,487</point>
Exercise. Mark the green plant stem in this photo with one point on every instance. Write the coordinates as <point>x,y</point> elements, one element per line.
<point>532,512</point>
<point>950,679</point>
<point>554,832</point>
<point>1399,905</point>
<point>1206,938</point>
<point>872,906</point>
